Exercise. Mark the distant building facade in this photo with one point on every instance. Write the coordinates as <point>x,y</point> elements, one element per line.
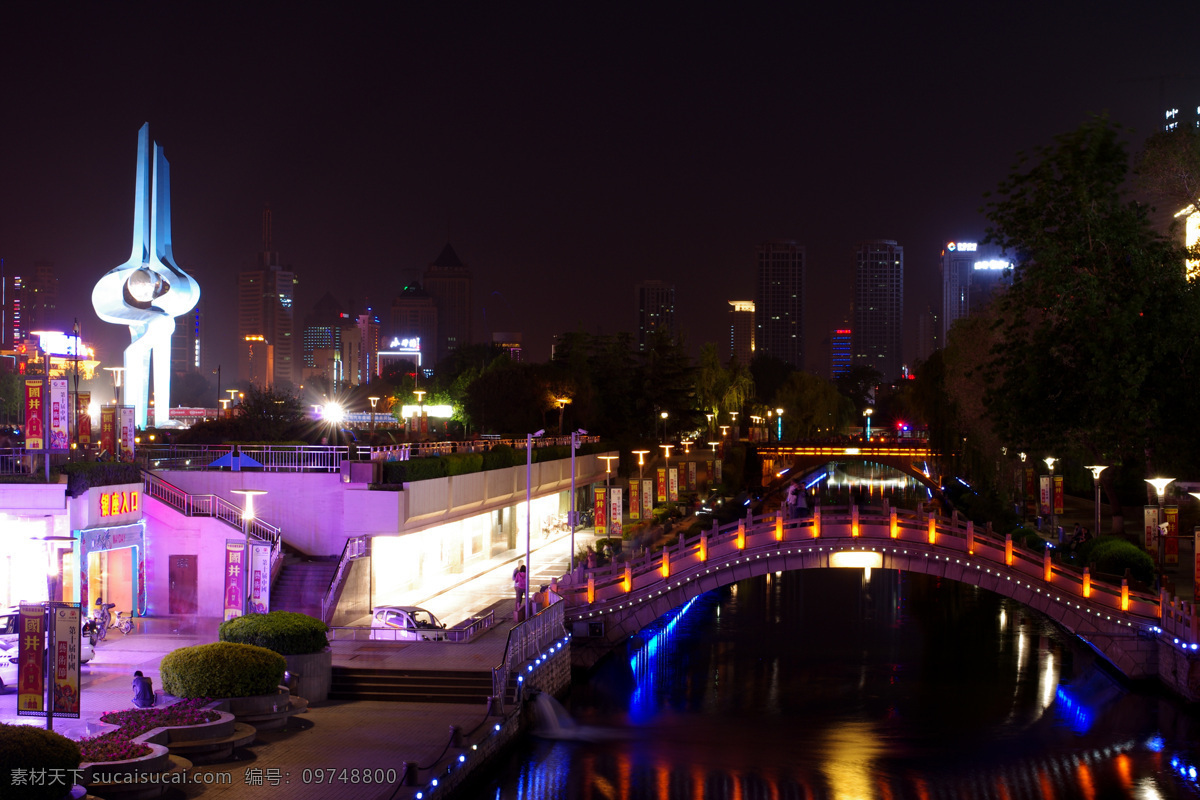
<point>509,342</point>
<point>30,303</point>
<point>655,303</point>
<point>879,306</point>
<point>415,315</point>
<point>971,274</point>
<point>779,301</point>
<point>841,352</point>
<point>448,281</point>
<point>266,296</point>
<point>741,331</point>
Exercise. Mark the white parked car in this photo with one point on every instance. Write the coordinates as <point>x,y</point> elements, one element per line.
<point>405,623</point>
<point>8,646</point>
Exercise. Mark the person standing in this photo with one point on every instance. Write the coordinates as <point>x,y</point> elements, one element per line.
<point>519,585</point>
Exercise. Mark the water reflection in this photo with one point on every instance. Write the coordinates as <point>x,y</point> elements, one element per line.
<point>826,685</point>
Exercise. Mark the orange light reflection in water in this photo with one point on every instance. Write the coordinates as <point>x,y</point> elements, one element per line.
<point>1085,780</point>
<point>1124,766</point>
<point>1046,784</point>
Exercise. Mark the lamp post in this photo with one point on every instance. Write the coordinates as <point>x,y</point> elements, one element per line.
<point>667,466</point>
<point>867,412</point>
<point>247,521</point>
<point>709,417</point>
<point>562,403</point>
<point>736,431</point>
<point>1096,470</point>
<point>373,400</point>
<point>664,419</point>
<point>1023,498</point>
<point>1160,486</point>
<point>75,401</point>
<point>779,424</point>
<point>528,513</point>
<point>233,393</point>
<point>116,376</point>
<point>574,515</point>
<point>1053,517</point>
<point>641,454</point>
<point>420,393</point>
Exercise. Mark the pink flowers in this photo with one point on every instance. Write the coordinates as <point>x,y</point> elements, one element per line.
<point>118,745</point>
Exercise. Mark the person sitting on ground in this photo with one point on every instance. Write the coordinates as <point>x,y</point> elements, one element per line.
<point>143,690</point>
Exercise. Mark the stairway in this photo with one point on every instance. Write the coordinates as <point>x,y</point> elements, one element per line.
<point>302,584</point>
<point>411,686</point>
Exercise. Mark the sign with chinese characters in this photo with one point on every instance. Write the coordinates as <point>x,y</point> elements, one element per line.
<point>235,577</point>
<point>35,432</point>
<point>600,511</point>
<point>409,343</point>
<point>962,247</point>
<point>647,498</point>
<point>661,493</point>
<point>82,401</point>
<point>1058,494</point>
<point>127,433</point>
<point>60,417</point>
<point>1150,516</point>
<point>114,505</point>
<point>673,484</point>
<point>31,668</point>
<point>691,475</point>
<point>635,500</point>
<point>64,646</point>
<point>260,577</point>
<point>615,517</point>
<point>108,429</point>
<point>1171,545</point>
<point>1044,495</point>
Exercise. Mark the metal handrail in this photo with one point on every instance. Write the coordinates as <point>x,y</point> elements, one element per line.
<point>526,640</point>
<point>356,547</point>
<point>458,634</point>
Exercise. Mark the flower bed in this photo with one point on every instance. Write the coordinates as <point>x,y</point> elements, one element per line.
<point>118,745</point>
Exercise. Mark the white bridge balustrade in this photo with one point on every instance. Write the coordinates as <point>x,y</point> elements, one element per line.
<point>1121,624</point>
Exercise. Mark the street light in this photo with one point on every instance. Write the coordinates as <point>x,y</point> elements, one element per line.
<point>528,513</point>
<point>1096,470</point>
<point>1024,500</point>
<point>667,466</point>
<point>664,419</point>
<point>867,412</point>
<point>116,376</point>
<point>779,424</point>
<point>574,514</point>
<point>373,400</point>
<point>247,520</point>
<point>1053,517</point>
<point>736,431</point>
<point>1160,486</point>
<point>562,402</point>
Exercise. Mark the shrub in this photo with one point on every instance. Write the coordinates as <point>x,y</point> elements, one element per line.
<point>463,463</point>
<point>82,475</point>
<point>221,669</point>
<point>285,632</point>
<point>24,748</point>
<point>417,469</point>
<point>501,456</point>
<point>1112,555</point>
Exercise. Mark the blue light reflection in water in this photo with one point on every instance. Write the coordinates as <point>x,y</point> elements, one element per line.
<point>1077,715</point>
<point>651,661</point>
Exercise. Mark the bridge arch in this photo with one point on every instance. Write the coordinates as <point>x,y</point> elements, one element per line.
<point>903,458</point>
<point>618,601</point>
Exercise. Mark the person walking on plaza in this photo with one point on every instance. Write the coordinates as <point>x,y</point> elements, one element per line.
<point>143,690</point>
<point>519,584</point>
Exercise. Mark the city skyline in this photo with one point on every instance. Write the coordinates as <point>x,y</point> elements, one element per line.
<point>566,156</point>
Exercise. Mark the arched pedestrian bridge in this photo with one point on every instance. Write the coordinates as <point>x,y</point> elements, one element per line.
<point>913,459</point>
<point>1124,626</point>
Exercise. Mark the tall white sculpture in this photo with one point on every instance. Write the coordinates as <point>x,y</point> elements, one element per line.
<point>149,290</point>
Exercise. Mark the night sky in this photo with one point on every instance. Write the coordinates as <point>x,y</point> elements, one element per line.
<point>567,150</point>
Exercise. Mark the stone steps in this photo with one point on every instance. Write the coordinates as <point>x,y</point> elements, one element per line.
<point>411,686</point>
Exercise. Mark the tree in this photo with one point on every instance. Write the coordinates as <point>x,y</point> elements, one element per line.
<point>812,406</point>
<point>1168,169</point>
<point>859,385</point>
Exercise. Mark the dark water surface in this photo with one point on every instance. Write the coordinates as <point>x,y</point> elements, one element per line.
<point>828,684</point>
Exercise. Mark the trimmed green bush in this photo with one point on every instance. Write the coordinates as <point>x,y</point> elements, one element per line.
<point>417,469</point>
<point>463,463</point>
<point>221,669</point>
<point>82,475</point>
<point>502,456</point>
<point>1112,555</point>
<point>285,632</point>
<point>26,748</point>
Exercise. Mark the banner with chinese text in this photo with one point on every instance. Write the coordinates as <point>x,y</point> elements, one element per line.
<point>601,511</point>
<point>127,432</point>
<point>1150,515</point>
<point>615,517</point>
<point>108,429</point>
<point>60,419</point>
<point>635,500</point>
<point>1058,494</point>
<point>673,484</point>
<point>661,493</point>
<point>31,668</point>
<point>647,498</point>
<point>235,576</point>
<point>1171,545</point>
<point>83,416</point>
<point>65,647</point>
<point>691,478</point>
<point>35,439</point>
<point>260,584</point>
<point>1044,495</point>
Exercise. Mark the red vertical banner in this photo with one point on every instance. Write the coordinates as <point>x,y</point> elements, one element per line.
<point>1058,494</point>
<point>66,640</point>
<point>601,511</point>
<point>615,517</point>
<point>35,432</point>
<point>1171,546</point>
<point>83,418</point>
<point>108,429</point>
<point>661,494</point>
<point>635,500</point>
<point>691,478</point>
<point>31,668</point>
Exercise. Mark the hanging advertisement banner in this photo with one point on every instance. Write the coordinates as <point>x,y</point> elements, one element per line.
<point>35,439</point>
<point>635,500</point>
<point>127,431</point>
<point>1150,515</point>
<point>31,668</point>
<point>235,577</point>
<point>82,401</point>
<point>108,429</point>
<point>647,498</point>
<point>1171,549</point>
<point>691,478</point>
<point>1196,558</point>
<point>60,419</point>
<point>615,517</point>
<point>720,475</point>
<point>64,645</point>
<point>661,493</point>
<point>260,577</point>
<point>1044,495</point>
<point>601,511</point>
<point>1030,485</point>
<point>673,484</point>
<point>1058,494</point>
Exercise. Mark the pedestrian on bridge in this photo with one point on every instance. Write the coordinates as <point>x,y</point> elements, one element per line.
<point>519,584</point>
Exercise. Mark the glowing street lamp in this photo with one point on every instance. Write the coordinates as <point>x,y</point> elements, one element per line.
<point>574,515</point>
<point>247,520</point>
<point>733,417</point>
<point>867,412</point>
<point>667,465</point>
<point>641,454</point>
<point>1053,517</point>
<point>779,424</point>
<point>1160,487</point>
<point>1096,470</point>
<point>528,513</point>
<point>373,400</point>
<point>116,376</point>
<point>562,402</point>
<point>664,419</point>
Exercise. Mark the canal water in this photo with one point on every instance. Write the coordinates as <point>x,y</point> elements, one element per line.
<point>839,684</point>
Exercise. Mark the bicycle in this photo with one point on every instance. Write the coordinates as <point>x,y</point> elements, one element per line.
<point>125,622</point>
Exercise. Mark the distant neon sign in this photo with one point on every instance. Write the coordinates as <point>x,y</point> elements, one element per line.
<point>962,247</point>
<point>992,264</point>
<point>413,343</point>
<point>116,503</point>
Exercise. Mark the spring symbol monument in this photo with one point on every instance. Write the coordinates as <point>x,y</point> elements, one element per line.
<point>149,290</point>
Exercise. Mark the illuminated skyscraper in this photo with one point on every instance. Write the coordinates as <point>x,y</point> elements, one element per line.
<point>448,281</point>
<point>779,301</point>
<point>971,274</point>
<point>655,309</point>
<point>265,298</point>
<point>840,352</point>
<point>30,302</point>
<point>879,306</point>
<point>741,331</point>
<point>415,316</point>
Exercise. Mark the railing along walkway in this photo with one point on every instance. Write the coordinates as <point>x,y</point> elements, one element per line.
<point>528,641</point>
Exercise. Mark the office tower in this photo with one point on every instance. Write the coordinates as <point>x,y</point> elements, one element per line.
<point>509,342</point>
<point>448,281</point>
<point>366,367</point>
<point>415,316</point>
<point>186,352</point>
<point>322,329</point>
<point>971,274</point>
<point>655,302</point>
<point>840,352</point>
<point>779,302</point>
<point>255,360</point>
<point>741,331</point>
<point>929,326</point>
<point>30,302</point>
<point>265,296</point>
<point>879,306</point>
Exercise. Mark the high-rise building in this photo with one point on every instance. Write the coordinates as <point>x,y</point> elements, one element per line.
<point>30,302</point>
<point>841,352</point>
<point>971,274</point>
<point>929,326</point>
<point>186,352</point>
<point>255,360</point>
<point>879,306</point>
<point>779,302</point>
<point>415,316</point>
<point>265,298</point>
<point>448,281</point>
<point>509,342</point>
<point>741,331</point>
<point>655,303</point>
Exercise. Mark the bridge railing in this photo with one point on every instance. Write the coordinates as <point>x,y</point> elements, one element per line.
<point>1180,619</point>
<point>866,527</point>
<point>526,641</point>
